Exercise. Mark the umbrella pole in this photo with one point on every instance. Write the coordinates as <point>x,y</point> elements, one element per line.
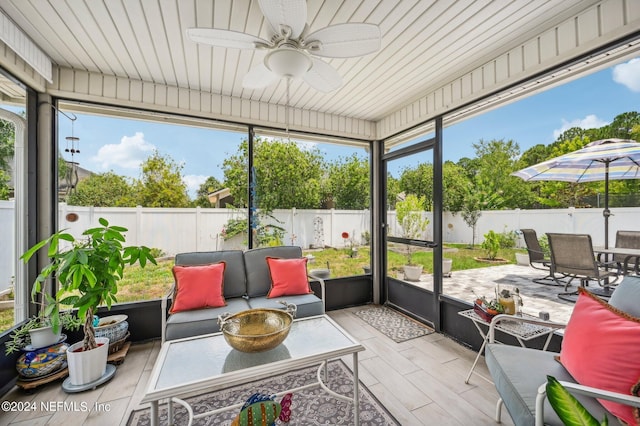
<point>606,212</point>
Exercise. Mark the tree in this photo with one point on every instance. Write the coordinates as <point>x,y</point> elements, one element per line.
<point>4,185</point>
<point>497,159</point>
<point>161,183</point>
<point>207,187</point>
<point>7,144</point>
<point>103,190</point>
<point>419,181</point>
<point>285,175</point>
<point>349,184</point>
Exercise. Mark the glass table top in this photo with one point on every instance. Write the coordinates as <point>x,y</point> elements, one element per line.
<point>208,357</point>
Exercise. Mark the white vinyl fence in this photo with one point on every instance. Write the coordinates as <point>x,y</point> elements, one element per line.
<point>183,230</point>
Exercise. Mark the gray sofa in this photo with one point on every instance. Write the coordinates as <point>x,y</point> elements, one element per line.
<point>519,372</point>
<point>246,284</point>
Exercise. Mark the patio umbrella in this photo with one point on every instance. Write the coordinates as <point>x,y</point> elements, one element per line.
<point>599,160</point>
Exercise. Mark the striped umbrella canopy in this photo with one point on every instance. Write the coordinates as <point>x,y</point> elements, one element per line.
<point>600,160</point>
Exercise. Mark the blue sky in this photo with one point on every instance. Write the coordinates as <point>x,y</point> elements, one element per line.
<point>592,101</point>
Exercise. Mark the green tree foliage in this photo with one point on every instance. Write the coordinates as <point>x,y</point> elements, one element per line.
<point>287,175</point>
<point>161,183</point>
<point>207,187</point>
<point>497,159</point>
<point>419,181</point>
<point>4,185</point>
<point>7,143</point>
<point>393,189</point>
<point>348,182</point>
<point>103,190</point>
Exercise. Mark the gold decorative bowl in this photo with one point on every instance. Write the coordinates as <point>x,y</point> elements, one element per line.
<point>256,330</point>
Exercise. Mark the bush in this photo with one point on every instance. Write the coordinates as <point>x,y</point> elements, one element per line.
<point>491,244</point>
<point>507,239</point>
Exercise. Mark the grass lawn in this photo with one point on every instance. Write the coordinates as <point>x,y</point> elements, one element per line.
<point>154,281</point>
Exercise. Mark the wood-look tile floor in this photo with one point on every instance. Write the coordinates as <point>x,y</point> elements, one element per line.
<point>420,381</point>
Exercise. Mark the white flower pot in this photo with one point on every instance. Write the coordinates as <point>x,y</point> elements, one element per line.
<point>412,273</point>
<point>43,337</point>
<point>522,259</point>
<point>446,266</point>
<point>89,366</point>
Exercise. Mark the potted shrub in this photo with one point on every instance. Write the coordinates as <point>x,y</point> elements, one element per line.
<point>88,272</point>
<point>410,217</point>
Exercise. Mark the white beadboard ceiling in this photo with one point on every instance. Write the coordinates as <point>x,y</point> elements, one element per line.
<point>425,44</point>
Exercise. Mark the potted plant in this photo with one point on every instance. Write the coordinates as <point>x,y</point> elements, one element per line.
<point>88,272</point>
<point>410,217</point>
<point>23,335</point>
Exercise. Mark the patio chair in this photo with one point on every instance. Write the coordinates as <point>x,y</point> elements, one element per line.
<point>573,256</point>
<point>537,258</point>
<point>627,239</point>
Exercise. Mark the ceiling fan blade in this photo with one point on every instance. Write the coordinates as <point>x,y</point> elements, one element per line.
<point>344,40</point>
<point>225,38</point>
<point>258,77</point>
<point>291,13</point>
<point>322,76</point>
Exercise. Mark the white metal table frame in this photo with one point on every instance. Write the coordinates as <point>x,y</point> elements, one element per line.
<point>299,350</point>
<point>522,331</point>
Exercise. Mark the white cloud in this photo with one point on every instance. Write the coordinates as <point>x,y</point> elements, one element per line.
<point>128,154</point>
<point>589,122</point>
<point>193,183</point>
<point>628,74</point>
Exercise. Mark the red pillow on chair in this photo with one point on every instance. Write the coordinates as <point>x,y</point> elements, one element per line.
<point>288,277</point>
<point>601,348</point>
<point>198,287</point>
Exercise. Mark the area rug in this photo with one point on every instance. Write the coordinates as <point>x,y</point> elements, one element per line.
<point>311,406</point>
<point>393,324</point>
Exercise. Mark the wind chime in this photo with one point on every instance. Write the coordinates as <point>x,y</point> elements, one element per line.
<point>73,147</point>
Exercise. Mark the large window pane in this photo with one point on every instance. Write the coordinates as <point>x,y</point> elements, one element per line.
<point>170,184</point>
<point>12,174</point>
<point>316,195</point>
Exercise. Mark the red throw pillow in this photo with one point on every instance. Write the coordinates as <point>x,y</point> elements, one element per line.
<point>198,287</point>
<point>288,277</point>
<point>601,348</point>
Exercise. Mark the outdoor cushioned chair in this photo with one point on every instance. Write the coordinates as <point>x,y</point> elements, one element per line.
<point>537,258</point>
<point>572,255</point>
<point>520,374</point>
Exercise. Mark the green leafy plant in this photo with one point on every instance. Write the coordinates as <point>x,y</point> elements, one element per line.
<point>568,408</point>
<point>89,270</point>
<point>410,217</point>
<point>491,244</point>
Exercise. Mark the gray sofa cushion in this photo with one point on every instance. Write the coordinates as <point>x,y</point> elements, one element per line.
<point>258,277</point>
<point>201,321</point>
<point>626,296</point>
<point>234,272</point>
<point>518,373</point>
<point>307,304</point>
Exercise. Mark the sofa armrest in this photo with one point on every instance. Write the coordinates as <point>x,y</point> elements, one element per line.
<point>529,320</point>
<point>575,388</point>
<point>163,309</point>
<point>322,290</point>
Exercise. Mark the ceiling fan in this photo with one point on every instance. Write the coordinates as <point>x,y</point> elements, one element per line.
<point>292,53</point>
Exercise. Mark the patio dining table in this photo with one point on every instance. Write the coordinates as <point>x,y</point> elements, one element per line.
<point>628,253</point>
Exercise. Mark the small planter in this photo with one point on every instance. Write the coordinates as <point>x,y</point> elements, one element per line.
<point>447,264</point>
<point>412,273</point>
<point>89,366</point>
<point>522,259</point>
<point>43,337</point>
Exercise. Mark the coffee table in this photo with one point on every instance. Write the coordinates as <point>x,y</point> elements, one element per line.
<point>199,364</point>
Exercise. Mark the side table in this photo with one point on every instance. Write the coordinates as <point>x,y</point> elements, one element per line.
<point>522,331</point>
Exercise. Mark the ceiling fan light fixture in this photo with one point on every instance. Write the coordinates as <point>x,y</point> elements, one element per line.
<point>287,62</point>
